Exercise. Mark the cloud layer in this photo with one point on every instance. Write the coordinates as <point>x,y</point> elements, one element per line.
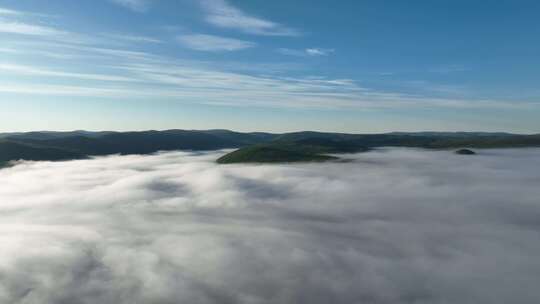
<point>391,226</point>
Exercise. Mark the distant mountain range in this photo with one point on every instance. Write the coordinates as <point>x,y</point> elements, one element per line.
<point>46,145</point>
<point>314,146</point>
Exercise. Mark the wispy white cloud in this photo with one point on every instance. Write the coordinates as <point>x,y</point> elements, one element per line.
<point>292,52</point>
<point>22,89</point>
<point>211,43</point>
<point>133,38</point>
<point>34,71</point>
<point>37,25</point>
<point>439,88</point>
<point>15,27</point>
<point>319,51</point>
<point>221,14</point>
<point>447,69</point>
<point>212,82</point>
<point>8,50</point>
<point>209,86</point>
<point>135,5</point>
<point>5,11</point>
<point>22,23</point>
<point>314,52</point>
<point>38,53</point>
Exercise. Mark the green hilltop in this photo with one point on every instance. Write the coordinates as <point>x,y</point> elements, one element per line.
<point>273,154</point>
<point>301,150</point>
<point>315,146</point>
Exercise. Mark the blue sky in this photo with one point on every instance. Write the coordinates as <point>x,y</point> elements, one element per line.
<point>348,66</point>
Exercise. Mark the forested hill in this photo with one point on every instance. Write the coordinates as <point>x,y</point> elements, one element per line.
<point>79,144</point>
<point>47,145</point>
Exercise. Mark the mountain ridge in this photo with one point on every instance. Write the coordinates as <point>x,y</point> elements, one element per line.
<point>51,145</point>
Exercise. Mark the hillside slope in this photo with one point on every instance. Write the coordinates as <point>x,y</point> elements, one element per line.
<point>46,145</point>
<point>10,151</point>
<point>271,154</point>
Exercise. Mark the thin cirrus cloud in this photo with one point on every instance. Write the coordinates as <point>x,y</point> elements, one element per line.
<point>16,69</point>
<point>121,72</point>
<point>133,38</point>
<point>319,52</point>
<point>211,43</point>
<point>5,11</point>
<point>221,14</point>
<point>15,27</point>
<point>311,52</point>
<point>134,5</point>
<point>21,23</point>
<point>10,23</point>
<point>153,76</point>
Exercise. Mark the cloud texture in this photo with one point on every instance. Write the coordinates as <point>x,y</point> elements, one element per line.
<point>390,226</point>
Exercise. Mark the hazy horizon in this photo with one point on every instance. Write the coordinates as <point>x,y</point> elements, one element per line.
<point>263,131</point>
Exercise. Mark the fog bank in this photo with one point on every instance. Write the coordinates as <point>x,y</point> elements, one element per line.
<point>388,226</point>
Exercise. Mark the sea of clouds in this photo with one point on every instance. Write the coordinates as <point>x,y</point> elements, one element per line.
<point>388,226</point>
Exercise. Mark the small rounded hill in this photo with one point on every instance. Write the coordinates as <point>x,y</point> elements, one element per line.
<point>465,152</point>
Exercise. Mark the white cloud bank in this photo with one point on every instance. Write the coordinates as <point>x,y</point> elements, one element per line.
<point>394,226</point>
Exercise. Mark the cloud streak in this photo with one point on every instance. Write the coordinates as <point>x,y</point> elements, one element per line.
<point>15,27</point>
<point>222,14</point>
<point>16,69</point>
<point>176,227</point>
<point>133,38</point>
<point>5,11</point>
<point>211,43</point>
<point>319,52</point>
<point>134,5</point>
<point>313,52</point>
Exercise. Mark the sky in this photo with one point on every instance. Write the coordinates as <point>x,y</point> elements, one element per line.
<point>347,66</point>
